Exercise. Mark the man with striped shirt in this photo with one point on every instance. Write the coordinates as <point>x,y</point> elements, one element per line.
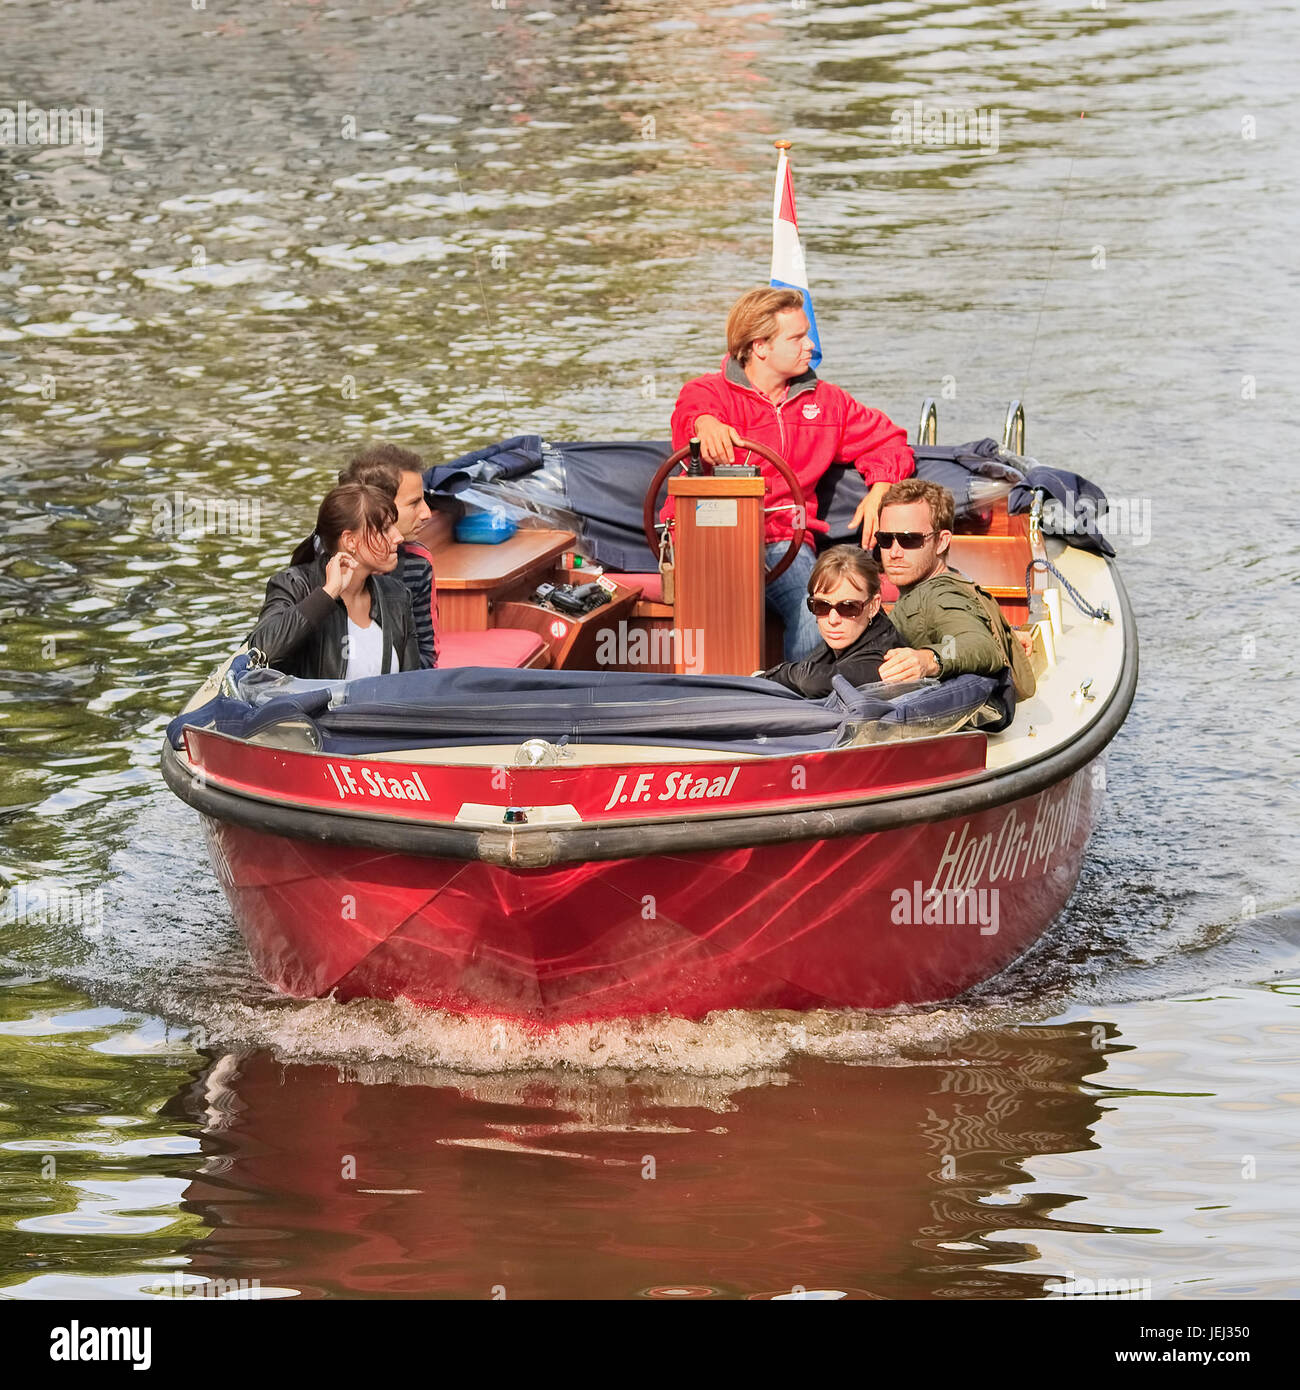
<point>399,474</point>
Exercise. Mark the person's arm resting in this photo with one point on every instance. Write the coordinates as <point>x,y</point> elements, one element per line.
<point>960,638</point>
<point>878,449</point>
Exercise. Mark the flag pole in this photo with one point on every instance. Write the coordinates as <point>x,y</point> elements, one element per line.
<point>782,148</point>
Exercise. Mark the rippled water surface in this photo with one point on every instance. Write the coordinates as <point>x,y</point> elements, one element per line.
<point>443,224</point>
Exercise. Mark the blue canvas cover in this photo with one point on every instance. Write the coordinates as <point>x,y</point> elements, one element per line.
<point>474,705</point>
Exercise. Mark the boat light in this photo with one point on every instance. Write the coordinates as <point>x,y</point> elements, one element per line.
<point>515,816</point>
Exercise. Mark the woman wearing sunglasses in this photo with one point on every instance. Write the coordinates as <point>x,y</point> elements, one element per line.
<point>844,597</point>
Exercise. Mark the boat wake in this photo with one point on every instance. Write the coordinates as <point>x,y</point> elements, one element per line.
<point>182,959</point>
<point>728,1043</point>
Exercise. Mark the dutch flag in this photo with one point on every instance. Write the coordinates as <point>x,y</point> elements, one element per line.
<point>788,269</point>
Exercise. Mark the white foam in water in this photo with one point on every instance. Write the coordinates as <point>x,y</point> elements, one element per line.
<point>728,1043</point>
<point>217,995</point>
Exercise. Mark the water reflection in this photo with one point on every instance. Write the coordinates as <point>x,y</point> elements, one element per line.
<point>1051,1161</point>
<point>397,1180</point>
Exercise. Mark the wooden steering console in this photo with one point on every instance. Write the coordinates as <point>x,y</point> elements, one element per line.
<point>783,468</point>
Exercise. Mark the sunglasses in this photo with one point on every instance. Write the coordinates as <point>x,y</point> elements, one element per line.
<point>909,540</point>
<point>850,608</point>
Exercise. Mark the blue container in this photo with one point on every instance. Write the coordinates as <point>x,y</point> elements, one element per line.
<point>485,528</point>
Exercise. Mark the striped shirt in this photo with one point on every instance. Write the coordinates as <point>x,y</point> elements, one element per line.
<point>416,572</point>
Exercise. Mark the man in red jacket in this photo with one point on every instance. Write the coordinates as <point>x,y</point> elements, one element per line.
<point>767,392</point>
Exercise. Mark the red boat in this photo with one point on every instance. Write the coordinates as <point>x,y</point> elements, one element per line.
<point>579,817</point>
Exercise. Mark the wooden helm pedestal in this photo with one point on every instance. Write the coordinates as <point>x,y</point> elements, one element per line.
<point>718,553</point>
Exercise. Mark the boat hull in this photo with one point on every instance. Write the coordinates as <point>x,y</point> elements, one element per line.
<point>903,915</point>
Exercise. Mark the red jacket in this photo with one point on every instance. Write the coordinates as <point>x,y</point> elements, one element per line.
<point>815,426</point>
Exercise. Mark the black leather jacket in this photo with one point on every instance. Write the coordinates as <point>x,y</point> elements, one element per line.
<point>302,630</point>
<point>859,664</point>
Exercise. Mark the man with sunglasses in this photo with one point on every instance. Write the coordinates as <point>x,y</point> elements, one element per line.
<point>946,626</point>
<point>844,597</point>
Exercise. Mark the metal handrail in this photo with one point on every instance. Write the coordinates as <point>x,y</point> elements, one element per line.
<point>1013,428</point>
<point>927,432</point>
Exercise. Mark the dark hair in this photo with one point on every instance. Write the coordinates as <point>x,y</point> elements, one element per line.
<point>347,507</point>
<point>841,560</point>
<point>382,466</point>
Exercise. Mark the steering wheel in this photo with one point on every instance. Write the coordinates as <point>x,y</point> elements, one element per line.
<point>777,462</point>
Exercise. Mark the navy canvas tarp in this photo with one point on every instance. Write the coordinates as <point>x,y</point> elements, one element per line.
<point>477,704</point>
<point>611,497</point>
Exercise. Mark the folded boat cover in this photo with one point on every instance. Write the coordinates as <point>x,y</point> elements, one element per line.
<point>474,705</point>
<point>1080,505</point>
<point>603,485</point>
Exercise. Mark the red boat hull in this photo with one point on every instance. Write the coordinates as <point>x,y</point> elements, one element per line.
<point>900,916</point>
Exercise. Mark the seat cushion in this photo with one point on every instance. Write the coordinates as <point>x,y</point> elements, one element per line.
<point>651,585</point>
<point>498,646</point>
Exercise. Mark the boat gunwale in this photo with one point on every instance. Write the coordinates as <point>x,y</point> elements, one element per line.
<point>828,802</point>
<point>542,845</point>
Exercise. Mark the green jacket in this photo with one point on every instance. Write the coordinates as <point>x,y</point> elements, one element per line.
<point>945,614</point>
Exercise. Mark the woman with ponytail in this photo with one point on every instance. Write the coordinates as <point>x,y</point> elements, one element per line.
<point>338,612</point>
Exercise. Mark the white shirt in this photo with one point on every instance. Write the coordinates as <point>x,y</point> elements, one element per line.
<point>366,651</point>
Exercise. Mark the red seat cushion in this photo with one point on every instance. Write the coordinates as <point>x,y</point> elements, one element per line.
<point>651,585</point>
<point>498,646</point>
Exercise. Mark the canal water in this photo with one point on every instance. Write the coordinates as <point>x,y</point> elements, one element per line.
<point>300,228</point>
